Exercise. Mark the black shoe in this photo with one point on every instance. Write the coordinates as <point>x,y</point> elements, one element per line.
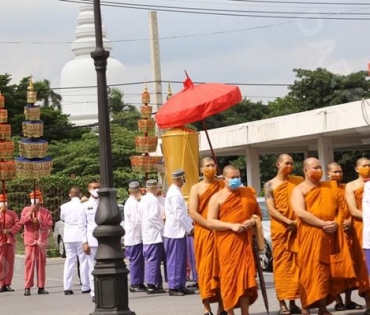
<point>86,291</point>
<point>193,285</point>
<point>67,292</point>
<point>42,291</point>
<point>27,292</point>
<point>93,299</point>
<point>175,292</point>
<point>187,291</point>
<point>151,289</point>
<point>8,289</point>
<point>137,288</point>
<point>160,289</point>
<point>142,286</point>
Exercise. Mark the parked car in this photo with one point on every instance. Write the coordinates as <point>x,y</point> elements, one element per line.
<point>58,233</point>
<point>266,255</point>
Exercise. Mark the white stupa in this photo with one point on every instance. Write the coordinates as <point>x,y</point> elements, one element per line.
<point>78,78</point>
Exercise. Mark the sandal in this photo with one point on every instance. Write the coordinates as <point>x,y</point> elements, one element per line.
<point>295,310</point>
<point>353,306</point>
<point>284,311</point>
<point>339,307</point>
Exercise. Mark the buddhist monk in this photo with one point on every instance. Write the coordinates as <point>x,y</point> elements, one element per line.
<point>200,194</point>
<point>283,233</point>
<point>317,205</point>
<point>230,214</point>
<point>335,173</point>
<point>354,193</point>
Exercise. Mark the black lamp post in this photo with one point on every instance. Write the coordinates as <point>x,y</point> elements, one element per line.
<point>110,273</point>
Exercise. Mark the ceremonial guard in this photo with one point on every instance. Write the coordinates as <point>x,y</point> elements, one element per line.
<point>133,240</point>
<point>152,229</point>
<point>10,225</point>
<point>37,222</point>
<point>69,214</point>
<point>87,225</point>
<point>177,226</point>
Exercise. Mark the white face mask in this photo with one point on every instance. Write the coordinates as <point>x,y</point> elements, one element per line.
<point>94,193</point>
<point>3,204</point>
<point>33,201</point>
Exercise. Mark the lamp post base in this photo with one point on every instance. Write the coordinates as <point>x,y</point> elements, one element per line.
<point>110,272</point>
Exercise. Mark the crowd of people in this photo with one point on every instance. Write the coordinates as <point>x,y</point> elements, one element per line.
<point>320,230</point>
<point>320,236</point>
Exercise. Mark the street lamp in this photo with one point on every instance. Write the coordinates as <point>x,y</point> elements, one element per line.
<point>110,272</point>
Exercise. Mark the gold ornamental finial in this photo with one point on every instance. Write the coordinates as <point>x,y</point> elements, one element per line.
<point>30,85</point>
<point>145,96</point>
<point>31,94</point>
<point>169,91</point>
<point>2,100</point>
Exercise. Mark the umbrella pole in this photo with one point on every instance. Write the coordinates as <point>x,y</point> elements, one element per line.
<point>210,144</point>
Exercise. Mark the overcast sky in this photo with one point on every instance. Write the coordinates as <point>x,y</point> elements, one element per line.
<point>211,48</point>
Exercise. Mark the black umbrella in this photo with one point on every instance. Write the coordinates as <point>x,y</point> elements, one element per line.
<point>260,274</point>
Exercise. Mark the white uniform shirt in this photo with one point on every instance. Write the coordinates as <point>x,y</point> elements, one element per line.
<point>152,219</point>
<point>87,222</point>
<point>162,200</point>
<point>366,216</point>
<point>177,220</point>
<point>70,213</point>
<point>132,224</point>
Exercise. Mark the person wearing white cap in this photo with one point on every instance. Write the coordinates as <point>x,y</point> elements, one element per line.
<point>133,240</point>
<point>152,229</point>
<point>176,227</point>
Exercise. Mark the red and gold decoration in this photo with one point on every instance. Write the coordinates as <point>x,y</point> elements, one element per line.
<point>33,162</point>
<point>7,166</point>
<point>146,143</point>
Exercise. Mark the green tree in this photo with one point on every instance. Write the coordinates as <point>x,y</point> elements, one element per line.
<point>321,88</point>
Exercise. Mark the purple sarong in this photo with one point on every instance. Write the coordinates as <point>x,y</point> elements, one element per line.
<point>136,258</point>
<point>153,257</point>
<point>191,257</point>
<point>175,249</point>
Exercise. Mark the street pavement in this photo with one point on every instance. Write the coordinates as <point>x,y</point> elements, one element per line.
<point>140,303</point>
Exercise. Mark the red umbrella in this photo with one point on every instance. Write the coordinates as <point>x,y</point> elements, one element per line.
<point>197,102</point>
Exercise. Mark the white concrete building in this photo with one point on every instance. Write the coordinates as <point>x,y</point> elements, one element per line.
<point>78,78</point>
<point>341,127</point>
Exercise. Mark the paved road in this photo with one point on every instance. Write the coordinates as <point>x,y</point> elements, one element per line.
<point>142,304</point>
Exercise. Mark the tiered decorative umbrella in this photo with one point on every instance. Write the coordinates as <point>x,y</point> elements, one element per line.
<point>7,165</point>
<point>33,162</point>
<point>146,143</point>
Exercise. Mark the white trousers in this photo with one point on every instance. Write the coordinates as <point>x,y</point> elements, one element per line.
<point>74,250</point>
<point>91,263</point>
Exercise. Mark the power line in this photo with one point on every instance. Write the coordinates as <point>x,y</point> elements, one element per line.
<point>217,12</point>
<point>171,81</point>
<point>306,3</point>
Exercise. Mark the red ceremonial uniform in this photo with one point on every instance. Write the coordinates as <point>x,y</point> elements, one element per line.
<point>35,241</point>
<point>10,224</point>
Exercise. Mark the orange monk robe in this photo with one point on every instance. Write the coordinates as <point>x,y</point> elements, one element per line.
<point>204,247</point>
<point>343,244</point>
<point>357,251</point>
<point>235,250</point>
<point>285,265</point>
<point>315,246</point>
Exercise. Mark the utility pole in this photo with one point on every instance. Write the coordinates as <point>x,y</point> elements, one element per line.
<point>155,60</point>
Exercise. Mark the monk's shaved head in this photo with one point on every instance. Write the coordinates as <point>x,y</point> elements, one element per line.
<point>206,160</point>
<point>229,168</point>
<point>307,163</point>
<point>332,165</point>
<point>283,157</point>
<point>361,161</point>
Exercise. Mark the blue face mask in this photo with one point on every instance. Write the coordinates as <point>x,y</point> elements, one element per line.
<point>234,183</point>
